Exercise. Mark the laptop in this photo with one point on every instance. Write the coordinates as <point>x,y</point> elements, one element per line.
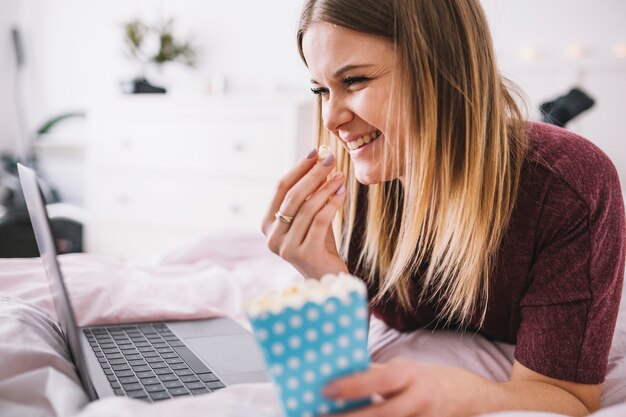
<point>147,361</point>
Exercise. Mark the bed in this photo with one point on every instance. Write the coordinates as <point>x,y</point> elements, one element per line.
<point>211,277</point>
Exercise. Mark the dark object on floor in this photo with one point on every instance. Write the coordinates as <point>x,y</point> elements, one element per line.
<point>560,111</point>
<point>141,86</point>
<point>17,239</point>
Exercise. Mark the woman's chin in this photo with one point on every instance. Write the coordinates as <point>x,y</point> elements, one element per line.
<point>370,177</point>
<point>366,178</point>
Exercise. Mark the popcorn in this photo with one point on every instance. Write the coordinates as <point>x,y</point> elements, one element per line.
<point>309,290</point>
<point>323,152</point>
<point>311,333</point>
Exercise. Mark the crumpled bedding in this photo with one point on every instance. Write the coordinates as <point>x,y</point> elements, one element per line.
<point>214,276</point>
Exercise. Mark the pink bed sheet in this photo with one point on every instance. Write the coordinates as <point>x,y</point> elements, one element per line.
<point>214,276</point>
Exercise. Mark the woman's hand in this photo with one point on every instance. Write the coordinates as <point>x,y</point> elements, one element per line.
<point>306,194</point>
<point>405,388</point>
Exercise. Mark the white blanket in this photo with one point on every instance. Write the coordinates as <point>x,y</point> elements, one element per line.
<point>215,276</point>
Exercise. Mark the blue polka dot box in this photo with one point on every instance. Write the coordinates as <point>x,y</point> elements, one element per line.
<point>311,334</point>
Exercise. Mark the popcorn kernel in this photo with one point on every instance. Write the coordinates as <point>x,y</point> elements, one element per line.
<point>323,152</point>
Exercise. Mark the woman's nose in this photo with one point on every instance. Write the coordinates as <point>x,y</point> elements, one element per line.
<point>335,113</point>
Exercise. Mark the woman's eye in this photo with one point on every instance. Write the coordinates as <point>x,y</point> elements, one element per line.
<point>319,91</point>
<point>354,80</point>
<point>347,81</point>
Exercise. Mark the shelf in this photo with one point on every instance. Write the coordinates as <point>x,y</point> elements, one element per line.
<point>71,149</point>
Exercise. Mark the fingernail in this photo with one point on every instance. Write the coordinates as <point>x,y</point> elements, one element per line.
<point>329,392</point>
<point>337,176</point>
<point>311,154</point>
<point>341,190</point>
<point>328,161</point>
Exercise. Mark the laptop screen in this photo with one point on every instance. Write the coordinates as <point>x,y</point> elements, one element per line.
<point>45,241</point>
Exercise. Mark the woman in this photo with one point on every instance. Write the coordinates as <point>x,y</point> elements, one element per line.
<point>458,214</point>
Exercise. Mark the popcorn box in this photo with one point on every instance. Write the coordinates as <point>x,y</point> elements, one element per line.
<point>309,345</point>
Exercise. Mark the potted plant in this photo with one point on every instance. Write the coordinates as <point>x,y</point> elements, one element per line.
<point>153,46</point>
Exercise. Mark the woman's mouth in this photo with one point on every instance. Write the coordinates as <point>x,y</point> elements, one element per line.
<point>365,140</point>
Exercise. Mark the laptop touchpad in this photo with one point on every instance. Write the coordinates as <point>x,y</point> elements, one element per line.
<point>232,354</point>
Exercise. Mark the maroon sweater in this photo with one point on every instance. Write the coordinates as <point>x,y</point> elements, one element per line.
<point>556,284</point>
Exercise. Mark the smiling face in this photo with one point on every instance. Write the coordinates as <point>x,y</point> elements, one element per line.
<point>353,72</point>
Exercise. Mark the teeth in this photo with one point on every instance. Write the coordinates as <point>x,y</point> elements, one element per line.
<point>356,144</point>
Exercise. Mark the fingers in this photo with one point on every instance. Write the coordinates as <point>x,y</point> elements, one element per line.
<point>314,210</point>
<point>399,406</point>
<point>318,228</point>
<point>284,185</point>
<point>306,186</point>
<point>395,382</point>
<point>288,200</point>
<point>386,381</point>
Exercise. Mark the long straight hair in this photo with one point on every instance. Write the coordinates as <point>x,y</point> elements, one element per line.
<point>462,149</point>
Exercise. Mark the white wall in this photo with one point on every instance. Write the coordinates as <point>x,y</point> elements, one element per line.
<point>548,47</point>
<point>552,25</point>
<point>75,59</point>
<point>76,49</point>
<point>8,126</point>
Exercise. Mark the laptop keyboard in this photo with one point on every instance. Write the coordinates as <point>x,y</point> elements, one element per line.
<point>150,363</point>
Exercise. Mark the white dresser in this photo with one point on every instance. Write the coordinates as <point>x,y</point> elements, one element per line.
<point>162,171</point>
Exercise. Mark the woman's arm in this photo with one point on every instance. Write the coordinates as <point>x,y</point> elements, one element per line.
<point>415,389</point>
<point>545,390</point>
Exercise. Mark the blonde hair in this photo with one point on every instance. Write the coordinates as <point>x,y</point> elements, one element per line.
<point>464,145</point>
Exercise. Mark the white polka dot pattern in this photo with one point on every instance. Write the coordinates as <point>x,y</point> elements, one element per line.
<point>307,348</point>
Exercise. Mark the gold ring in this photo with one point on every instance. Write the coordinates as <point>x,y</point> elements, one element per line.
<point>283,219</point>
